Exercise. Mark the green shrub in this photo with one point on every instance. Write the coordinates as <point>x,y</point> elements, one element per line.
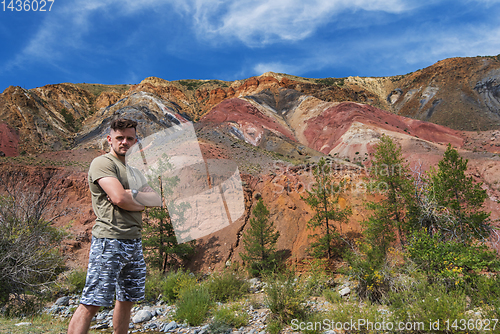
<point>155,285</point>
<point>226,286</point>
<point>425,303</point>
<point>219,327</point>
<point>24,305</point>
<point>228,317</point>
<point>193,305</point>
<point>285,298</point>
<point>484,292</point>
<point>274,326</point>
<point>175,282</point>
<point>365,312</point>
<point>30,260</point>
<point>76,280</point>
<point>452,260</point>
<point>315,283</point>
<point>370,275</point>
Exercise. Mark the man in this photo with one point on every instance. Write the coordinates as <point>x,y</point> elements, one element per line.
<point>116,262</point>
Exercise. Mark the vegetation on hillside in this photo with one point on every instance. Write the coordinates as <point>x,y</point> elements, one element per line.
<point>260,243</point>
<point>97,89</point>
<point>423,260</point>
<point>29,256</point>
<point>323,198</point>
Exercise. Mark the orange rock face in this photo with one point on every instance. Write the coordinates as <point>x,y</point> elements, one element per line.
<point>106,99</point>
<point>216,96</point>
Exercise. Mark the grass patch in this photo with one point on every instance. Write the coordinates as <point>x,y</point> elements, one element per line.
<point>39,324</point>
<point>97,89</point>
<point>286,298</point>
<point>175,282</point>
<point>227,286</point>
<point>193,305</point>
<point>228,317</point>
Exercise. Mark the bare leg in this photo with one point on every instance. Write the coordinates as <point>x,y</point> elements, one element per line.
<point>121,317</point>
<point>80,322</point>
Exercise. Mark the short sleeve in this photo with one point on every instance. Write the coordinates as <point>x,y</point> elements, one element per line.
<point>102,167</point>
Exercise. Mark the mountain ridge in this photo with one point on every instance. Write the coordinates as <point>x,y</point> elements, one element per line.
<point>461,93</point>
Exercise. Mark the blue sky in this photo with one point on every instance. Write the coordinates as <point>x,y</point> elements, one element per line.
<point>125,41</point>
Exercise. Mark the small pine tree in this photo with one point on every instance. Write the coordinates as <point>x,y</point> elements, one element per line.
<point>378,233</point>
<point>462,197</point>
<point>323,199</point>
<point>259,242</point>
<point>161,248</point>
<point>392,174</point>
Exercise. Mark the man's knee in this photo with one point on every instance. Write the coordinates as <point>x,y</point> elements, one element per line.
<point>124,304</point>
<point>88,310</point>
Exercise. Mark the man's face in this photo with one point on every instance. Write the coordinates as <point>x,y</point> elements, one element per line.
<point>121,140</point>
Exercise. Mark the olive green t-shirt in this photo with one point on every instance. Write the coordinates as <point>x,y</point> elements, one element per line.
<point>112,221</point>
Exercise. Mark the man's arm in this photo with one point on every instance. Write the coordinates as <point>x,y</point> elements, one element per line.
<point>119,196</point>
<point>148,197</point>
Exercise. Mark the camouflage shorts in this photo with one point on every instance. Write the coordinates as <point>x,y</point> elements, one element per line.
<point>114,265</point>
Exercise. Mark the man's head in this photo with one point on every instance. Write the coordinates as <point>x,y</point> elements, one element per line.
<point>122,136</point>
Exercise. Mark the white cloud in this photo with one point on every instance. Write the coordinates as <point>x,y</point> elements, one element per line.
<point>465,41</point>
<point>381,55</point>
<point>261,22</point>
<point>255,23</point>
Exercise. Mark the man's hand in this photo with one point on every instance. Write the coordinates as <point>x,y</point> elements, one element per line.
<point>147,197</point>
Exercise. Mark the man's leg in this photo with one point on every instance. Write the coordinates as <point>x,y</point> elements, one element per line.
<point>80,322</point>
<point>99,286</point>
<point>121,317</point>
<point>130,287</point>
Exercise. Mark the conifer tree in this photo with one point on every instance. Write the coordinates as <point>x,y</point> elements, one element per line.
<point>161,248</point>
<point>393,178</point>
<point>323,198</point>
<point>461,197</point>
<point>260,242</point>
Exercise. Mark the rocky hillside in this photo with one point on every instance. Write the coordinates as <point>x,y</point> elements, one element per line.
<point>460,93</point>
<point>273,126</point>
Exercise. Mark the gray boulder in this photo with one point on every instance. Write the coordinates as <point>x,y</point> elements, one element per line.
<point>142,316</point>
<point>63,301</point>
<point>170,326</point>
